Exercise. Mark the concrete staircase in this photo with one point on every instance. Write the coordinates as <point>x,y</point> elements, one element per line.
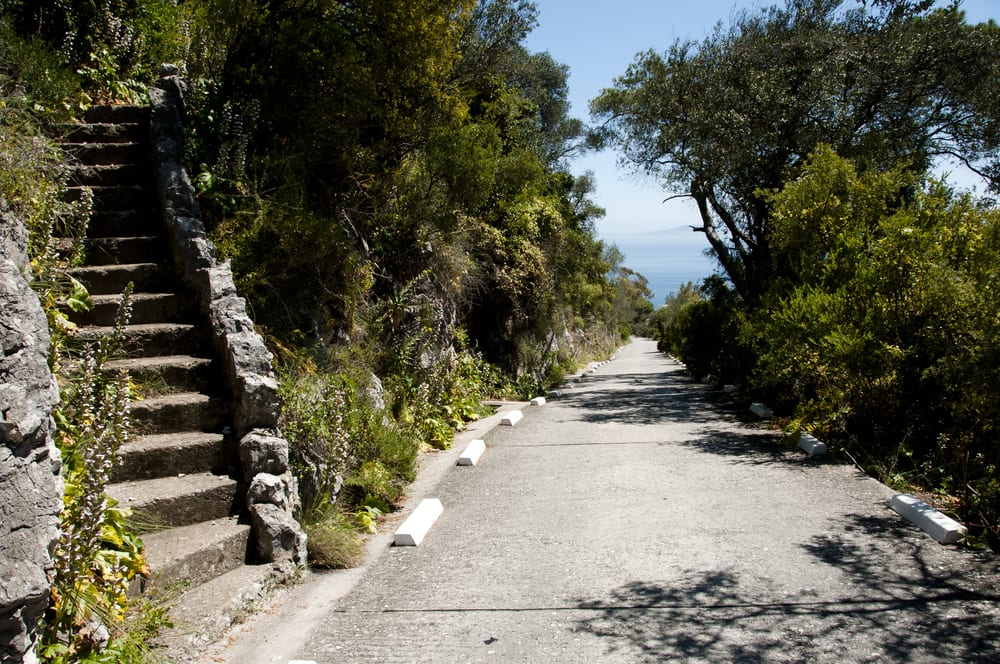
<point>179,473</point>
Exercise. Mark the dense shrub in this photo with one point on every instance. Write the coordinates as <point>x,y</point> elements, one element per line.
<point>885,338</point>
<point>705,330</point>
<point>881,334</point>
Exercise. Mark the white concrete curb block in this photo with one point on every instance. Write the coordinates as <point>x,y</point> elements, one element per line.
<point>811,445</point>
<point>511,418</point>
<point>538,401</point>
<point>413,530</point>
<point>760,410</point>
<point>942,528</point>
<point>474,450</point>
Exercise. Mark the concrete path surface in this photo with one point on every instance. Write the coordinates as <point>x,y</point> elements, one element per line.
<point>639,518</point>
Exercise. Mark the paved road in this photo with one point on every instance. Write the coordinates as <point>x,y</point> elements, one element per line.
<point>641,519</point>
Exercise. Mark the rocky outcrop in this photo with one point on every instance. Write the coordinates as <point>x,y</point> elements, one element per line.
<point>247,361</point>
<point>30,484</point>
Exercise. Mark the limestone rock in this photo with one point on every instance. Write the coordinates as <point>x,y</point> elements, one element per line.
<point>278,536</point>
<point>13,238</point>
<point>273,489</point>
<point>375,393</point>
<point>272,501</point>
<point>30,485</point>
<point>258,406</point>
<point>219,282</point>
<point>261,452</point>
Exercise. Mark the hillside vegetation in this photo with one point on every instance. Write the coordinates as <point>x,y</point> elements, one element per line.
<point>391,183</point>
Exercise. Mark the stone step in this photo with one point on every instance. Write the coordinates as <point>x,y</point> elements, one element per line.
<point>105,132</point>
<point>112,279</point>
<point>197,553</point>
<point>117,115</point>
<point>164,374</point>
<point>176,413</point>
<point>141,220</point>
<point>96,154</point>
<point>119,250</point>
<point>110,175</point>
<point>154,339</point>
<point>203,614</point>
<point>161,455</point>
<point>113,197</point>
<point>146,308</point>
<point>167,502</point>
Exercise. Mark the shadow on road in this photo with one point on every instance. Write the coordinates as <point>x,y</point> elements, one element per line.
<point>912,612</point>
<point>643,398</point>
<point>755,447</point>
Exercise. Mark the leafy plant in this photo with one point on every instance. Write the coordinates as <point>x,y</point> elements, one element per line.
<point>351,462</point>
<point>117,46</point>
<point>98,554</point>
<point>438,396</point>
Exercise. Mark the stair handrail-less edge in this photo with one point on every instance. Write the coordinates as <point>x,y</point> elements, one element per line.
<point>272,497</point>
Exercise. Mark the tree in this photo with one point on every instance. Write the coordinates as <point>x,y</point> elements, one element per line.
<point>665,321</point>
<point>735,116</point>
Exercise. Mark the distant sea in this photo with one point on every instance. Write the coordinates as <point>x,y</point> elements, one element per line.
<point>668,258</point>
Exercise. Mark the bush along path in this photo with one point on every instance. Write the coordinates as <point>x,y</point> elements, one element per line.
<point>203,512</point>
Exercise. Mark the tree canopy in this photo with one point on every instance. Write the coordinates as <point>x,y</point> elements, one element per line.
<point>728,119</point>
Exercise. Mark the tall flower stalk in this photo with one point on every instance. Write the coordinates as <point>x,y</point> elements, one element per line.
<point>97,556</point>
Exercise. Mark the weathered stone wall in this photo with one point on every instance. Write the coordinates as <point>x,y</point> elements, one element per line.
<point>247,361</point>
<point>30,485</point>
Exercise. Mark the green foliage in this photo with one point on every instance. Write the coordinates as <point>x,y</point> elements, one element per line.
<point>34,80</point>
<point>278,247</point>
<point>352,463</point>
<point>334,542</point>
<point>337,435</point>
<point>374,481</point>
<point>405,159</point>
<point>665,322</point>
<point>723,120</point>
<point>117,46</point>
<point>884,336</point>
<point>437,393</point>
<point>711,334</point>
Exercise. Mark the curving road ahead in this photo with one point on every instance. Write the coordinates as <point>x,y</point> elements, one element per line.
<point>640,518</point>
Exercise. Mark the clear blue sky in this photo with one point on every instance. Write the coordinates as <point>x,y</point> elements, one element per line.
<point>598,39</point>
